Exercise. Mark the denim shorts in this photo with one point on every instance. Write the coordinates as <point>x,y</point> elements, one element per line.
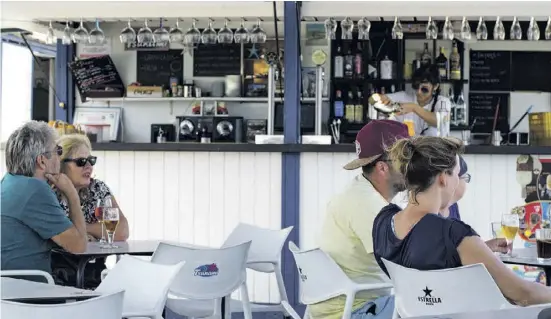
<point>384,309</point>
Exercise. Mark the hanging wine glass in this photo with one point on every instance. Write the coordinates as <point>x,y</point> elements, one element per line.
<point>447,31</point>
<point>465,29</point>
<point>193,35</point>
<point>347,26</point>
<point>145,35</point>
<point>225,35</point>
<point>67,34</point>
<point>176,35</point>
<point>431,32</point>
<point>397,31</point>
<point>330,28</point>
<point>481,30</point>
<point>50,35</point>
<point>499,30</point>
<point>241,35</point>
<point>516,31</point>
<point>161,34</point>
<point>533,32</point>
<point>128,35</point>
<point>258,35</point>
<point>96,35</point>
<point>363,29</point>
<point>209,36</point>
<point>548,29</point>
<point>81,34</point>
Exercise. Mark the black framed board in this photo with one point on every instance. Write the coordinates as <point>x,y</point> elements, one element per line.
<point>482,108</point>
<point>97,77</point>
<point>155,68</point>
<point>217,59</point>
<point>490,71</point>
<point>531,71</point>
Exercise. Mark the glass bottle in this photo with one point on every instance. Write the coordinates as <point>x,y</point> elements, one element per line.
<point>443,120</point>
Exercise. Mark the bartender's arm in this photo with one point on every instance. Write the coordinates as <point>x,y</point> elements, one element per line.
<point>427,116</point>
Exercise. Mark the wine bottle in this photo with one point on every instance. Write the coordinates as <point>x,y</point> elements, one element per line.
<point>426,58</point>
<point>455,63</point>
<point>442,64</point>
<point>339,64</point>
<point>338,104</point>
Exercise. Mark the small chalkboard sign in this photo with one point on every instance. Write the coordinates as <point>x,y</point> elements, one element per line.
<point>217,59</point>
<point>490,71</point>
<point>97,77</point>
<point>482,107</point>
<point>531,71</point>
<point>155,68</point>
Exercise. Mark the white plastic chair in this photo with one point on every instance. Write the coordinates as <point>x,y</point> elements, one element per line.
<point>437,292</point>
<point>108,306</point>
<point>146,285</point>
<point>208,276</point>
<point>265,257</point>
<point>28,273</point>
<point>322,279</point>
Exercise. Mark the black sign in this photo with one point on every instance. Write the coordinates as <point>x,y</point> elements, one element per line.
<point>490,71</point>
<point>531,71</point>
<point>147,46</point>
<point>217,60</point>
<point>97,77</point>
<point>156,67</point>
<point>482,107</point>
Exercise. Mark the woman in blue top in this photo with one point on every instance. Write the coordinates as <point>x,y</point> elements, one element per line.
<point>418,237</point>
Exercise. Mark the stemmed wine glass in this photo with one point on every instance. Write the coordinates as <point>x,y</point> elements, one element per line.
<point>548,29</point>
<point>67,34</point>
<point>431,32</point>
<point>397,31</point>
<point>128,35</point>
<point>516,30</point>
<point>161,34</point>
<point>193,35</point>
<point>258,35</point>
<point>330,28</point>
<point>533,30</point>
<point>481,30</point>
<point>465,29</point>
<point>98,213</point>
<point>447,31</point>
<point>509,225</point>
<point>241,35</point>
<point>499,30</point>
<point>347,26</point>
<point>176,35</point>
<point>145,35</point>
<point>209,36</point>
<point>225,35</point>
<point>111,221</point>
<point>81,34</point>
<point>50,36</point>
<point>96,35</point>
<point>363,29</point>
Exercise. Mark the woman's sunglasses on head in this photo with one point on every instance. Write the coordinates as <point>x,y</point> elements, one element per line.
<point>81,161</point>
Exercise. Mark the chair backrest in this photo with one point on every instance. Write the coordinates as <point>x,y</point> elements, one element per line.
<point>146,284</point>
<point>266,244</point>
<point>34,275</point>
<point>320,276</point>
<point>108,306</point>
<point>208,273</point>
<point>436,292</point>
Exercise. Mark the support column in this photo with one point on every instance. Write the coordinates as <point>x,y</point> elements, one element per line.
<point>64,101</point>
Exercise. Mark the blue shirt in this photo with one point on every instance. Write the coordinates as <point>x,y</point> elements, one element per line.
<point>431,244</point>
<point>454,212</point>
<point>30,215</point>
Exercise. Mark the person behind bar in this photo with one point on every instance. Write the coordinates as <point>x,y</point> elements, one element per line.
<point>418,108</point>
<point>417,237</point>
<point>346,231</point>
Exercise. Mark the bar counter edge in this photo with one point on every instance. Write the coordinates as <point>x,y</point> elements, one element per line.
<point>295,148</point>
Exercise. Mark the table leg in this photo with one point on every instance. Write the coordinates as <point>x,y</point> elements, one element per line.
<point>81,266</point>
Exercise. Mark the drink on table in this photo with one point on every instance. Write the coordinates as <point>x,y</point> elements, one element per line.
<point>543,244</point>
<point>98,213</point>
<point>509,226</point>
<point>110,220</point>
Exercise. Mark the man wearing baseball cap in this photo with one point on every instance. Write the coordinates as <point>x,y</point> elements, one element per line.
<point>347,229</point>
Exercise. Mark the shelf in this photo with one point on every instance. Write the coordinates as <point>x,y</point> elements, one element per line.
<point>396,81</point>
<point>191,99</point>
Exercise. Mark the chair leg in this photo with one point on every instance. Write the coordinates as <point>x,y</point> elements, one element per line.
<point>247,313</point>
<point>348,307</point>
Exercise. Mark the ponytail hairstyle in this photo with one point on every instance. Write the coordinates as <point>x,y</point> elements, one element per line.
<point>428,74</point>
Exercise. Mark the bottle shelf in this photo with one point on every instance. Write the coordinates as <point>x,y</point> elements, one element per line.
<point>356,81</point>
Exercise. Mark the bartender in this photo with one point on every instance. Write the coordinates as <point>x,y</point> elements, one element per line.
<point>417,109</point>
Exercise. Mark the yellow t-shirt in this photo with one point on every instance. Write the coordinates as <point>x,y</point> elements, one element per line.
<point>346,237</point>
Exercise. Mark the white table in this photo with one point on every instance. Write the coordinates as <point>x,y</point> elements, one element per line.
<point>529,257</point>
<point>29,291</point>
<point>515,313</point>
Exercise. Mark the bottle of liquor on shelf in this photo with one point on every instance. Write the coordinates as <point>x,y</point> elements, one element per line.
<point>452,111</point>
<point>461,111</point>
<point>426,57</point>
<point>442,64</point>
<point>359,108</point>
<point>455,63</point>
<point>338,105</point>
<point>349,64</point>
<point>339,64</point>
<point>386,69</point>
<point>350,108</point>
<point>358,62</point>
<point>442,120</point>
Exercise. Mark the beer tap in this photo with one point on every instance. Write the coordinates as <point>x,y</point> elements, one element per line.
<point>318,57</point>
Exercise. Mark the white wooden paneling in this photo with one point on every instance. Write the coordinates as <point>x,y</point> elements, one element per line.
<point>195,197</point>
<point>492,191</point>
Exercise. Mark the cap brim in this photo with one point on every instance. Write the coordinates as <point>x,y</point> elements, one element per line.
<point>360,162</point>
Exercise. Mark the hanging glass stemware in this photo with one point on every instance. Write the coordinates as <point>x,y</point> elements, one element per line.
<point>67,34</point>
<point>447,31</point>
<point>397,31</point>
<point>128,35</point>
<point>193,35</point>
<point>81,34</point>
<point>516,31</point>
<point>548,29</point>
<point>241,35</point>
<point>363,29</point>
<point>50,36</point>
<point>161,34</point>
<point>533,32</point>
<point>145,35</point>
<point>431,32</point>
<point>176,35</point>
<point>209,36</point>
<point>225,35</point>
<point>465,29</point>
<point>96,35</point>
<point>481,30</point>
<point>499,30</point>
<point>330,28</point>
<point>258,35</point>
<point>347,26</point>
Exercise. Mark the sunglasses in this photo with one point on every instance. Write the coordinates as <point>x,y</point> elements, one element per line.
<point>81,161</point>
<point>58,150</point>
<point>424,89</point>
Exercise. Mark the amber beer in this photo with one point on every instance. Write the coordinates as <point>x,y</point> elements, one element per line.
<point>543,244</point>
<point>110,225</point>
<point>509,232</point>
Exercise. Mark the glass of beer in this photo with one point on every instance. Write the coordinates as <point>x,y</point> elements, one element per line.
<point>543,244</point>
<point>98,213</point>
<point>509,227</point>
<point>111,221</point>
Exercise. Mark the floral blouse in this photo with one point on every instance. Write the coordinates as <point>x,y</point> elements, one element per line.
<point>97,190</point>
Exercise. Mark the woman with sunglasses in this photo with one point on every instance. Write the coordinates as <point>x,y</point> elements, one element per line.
<point>78,164</point>
<point>418,108</point>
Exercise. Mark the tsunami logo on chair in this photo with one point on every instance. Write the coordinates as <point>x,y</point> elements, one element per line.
<point>208,270</point>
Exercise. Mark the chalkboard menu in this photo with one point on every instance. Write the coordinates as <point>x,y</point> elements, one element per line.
<point>531,71</point>
<point>97,77</point>
<point>156,67</point>
<point>490,71</point>
<point>217,60</point>
<point>482,107</point>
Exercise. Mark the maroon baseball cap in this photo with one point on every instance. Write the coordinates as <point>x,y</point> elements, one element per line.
<point>373,138</point>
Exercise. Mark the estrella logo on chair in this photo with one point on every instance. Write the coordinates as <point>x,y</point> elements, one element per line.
<point>206,270</point>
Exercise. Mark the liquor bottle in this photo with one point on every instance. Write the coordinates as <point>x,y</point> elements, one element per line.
<point>453,120</point>
<point>426,57</point>
<point>358,62</point>
<point>359,108</point>
<point>442,64</point>
<point>461,111</point>
<point>442,120</point>
<point>349,64</point>
<point>339,64</point>
<point>455,63</point>
<point>338,105</point>
<point>349,111</point>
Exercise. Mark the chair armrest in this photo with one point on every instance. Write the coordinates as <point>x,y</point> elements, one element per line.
<point>129,314</point>
<point>364,287</point>
<point>259,261</point>
<point>28,273</point>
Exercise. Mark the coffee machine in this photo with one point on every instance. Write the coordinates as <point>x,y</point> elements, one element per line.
<point>227,129</point>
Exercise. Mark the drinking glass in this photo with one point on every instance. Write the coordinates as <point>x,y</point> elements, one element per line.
<point>533,32</point>
<point>50,36</point>
<point>176,34</point>
<point>99,216</point>
<point>225,35</point>
<point>481,30</point>
<point>509,226</point>
<point>330,28</point>
<point>81,34</point>
<point>145,35</point>
<point>96,35</point>
<point>447,31</point>
<point>128,35</point>
<point>465,29</point>
<point>161,33</point>
<point>499,30</point>
<point>257,35</point>
<point>543,244</point>
<point>241,35</point>
<point>431,32</point>
<point>347,27</point>
<point>111,221</point>
<point>363,29</point>
<point>548,29</point>
<point>193,35</point>
<point>67,34</point>
<point>397,31</point>
<point>516,30</point>
<point>209,36</point>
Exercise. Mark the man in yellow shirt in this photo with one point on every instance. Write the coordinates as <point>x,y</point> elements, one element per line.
<point>347,229</point>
